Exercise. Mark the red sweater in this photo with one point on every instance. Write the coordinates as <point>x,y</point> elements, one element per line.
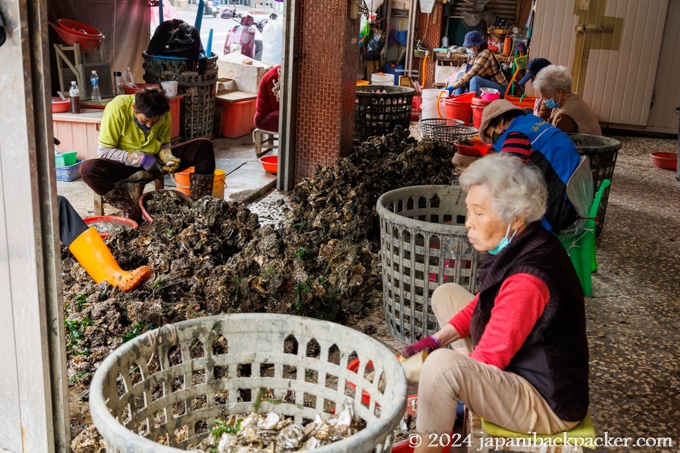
<point>518,305</point>
<point>267,104</point>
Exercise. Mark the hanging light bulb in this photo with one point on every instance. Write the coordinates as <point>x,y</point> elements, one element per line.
<point>374,5</point>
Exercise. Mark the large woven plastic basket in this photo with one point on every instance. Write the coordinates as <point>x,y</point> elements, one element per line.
<point>196,83</point>
<point>168,385</point>
<point>423,244</point>
<point>380,108</point>
<point>602,152</point>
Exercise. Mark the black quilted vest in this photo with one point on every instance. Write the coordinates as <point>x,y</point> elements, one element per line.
<point>554,357</point>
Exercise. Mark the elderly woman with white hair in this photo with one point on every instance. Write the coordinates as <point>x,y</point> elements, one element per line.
<point>570,113</point>
<point>519,355</point>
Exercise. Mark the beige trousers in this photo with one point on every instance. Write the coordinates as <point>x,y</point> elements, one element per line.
<point>449,375</point>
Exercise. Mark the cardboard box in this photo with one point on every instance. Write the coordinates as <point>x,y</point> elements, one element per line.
<point>246,77</point>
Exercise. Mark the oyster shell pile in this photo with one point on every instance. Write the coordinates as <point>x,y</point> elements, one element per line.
<point>271,432</point>
<point>322,260</point>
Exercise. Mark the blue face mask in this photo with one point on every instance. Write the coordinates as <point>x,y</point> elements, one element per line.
<point>144,128</point>
<point>504,242</point>
<point>470,51</point>
<point>551,104</point>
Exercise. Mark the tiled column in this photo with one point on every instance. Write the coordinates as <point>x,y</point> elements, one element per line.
<point>329,62</point>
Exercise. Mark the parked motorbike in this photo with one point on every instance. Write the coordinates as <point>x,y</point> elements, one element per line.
<point>241,38</point>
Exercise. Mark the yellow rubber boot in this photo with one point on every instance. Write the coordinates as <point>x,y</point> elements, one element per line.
<point>93,254</point>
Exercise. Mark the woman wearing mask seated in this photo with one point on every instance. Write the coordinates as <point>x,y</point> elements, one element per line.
<point>520,351</point>
<point>482,70</point>
<point>569,113</point>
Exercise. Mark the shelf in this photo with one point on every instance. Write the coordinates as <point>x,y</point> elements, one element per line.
<point>71,64</point>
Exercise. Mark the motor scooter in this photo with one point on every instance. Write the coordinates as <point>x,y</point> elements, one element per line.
<point>242,37</point>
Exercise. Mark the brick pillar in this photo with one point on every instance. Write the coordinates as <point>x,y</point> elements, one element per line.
<point>328,66</point>
<point>431,35</point>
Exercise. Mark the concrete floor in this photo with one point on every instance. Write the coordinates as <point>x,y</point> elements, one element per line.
<point>246,180</point>
<point>633,314</point>
<point>633,323</point>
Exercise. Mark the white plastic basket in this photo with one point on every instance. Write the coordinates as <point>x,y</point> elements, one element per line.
<point>170,384</point>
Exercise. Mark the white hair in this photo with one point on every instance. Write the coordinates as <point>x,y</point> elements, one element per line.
<point>552,77</point>
<point>517,189</point>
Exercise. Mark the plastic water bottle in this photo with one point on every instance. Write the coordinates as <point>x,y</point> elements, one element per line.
<point>118,79</point>
<point>74,96</point>
<point>128,79</point>
<point>96,95</point>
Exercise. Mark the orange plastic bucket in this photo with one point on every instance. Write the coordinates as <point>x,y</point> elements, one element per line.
<point>183,177</point>
<point>526,103</point>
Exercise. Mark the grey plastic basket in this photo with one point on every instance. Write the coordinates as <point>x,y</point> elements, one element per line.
<point>423,244</point>
<point>171,383</point>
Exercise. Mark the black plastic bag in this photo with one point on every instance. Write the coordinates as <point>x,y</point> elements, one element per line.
<point>176,38</point>
<point>374,46</point>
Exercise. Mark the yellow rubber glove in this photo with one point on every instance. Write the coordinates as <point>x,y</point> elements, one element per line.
<point>171,162</point>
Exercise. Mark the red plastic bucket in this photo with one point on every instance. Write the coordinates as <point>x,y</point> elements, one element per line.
<point>107,222</point>
<point>354,366</point>
<point>406,446</point>
<point>459,107</point>
<point>478,105</point>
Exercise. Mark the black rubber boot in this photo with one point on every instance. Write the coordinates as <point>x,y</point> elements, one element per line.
<point>200,185</point>
<point>120,198</point>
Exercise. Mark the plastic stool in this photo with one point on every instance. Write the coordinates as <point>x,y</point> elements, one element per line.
<point>265,141</point>
<point>138,187</point>
<point>572,441</point>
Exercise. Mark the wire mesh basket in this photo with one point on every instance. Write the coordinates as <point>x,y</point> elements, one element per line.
<point>446,129</point>
<point>162,391</point>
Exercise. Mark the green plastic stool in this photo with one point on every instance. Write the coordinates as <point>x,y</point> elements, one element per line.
<point>581,435</point>
<point>580,244</point>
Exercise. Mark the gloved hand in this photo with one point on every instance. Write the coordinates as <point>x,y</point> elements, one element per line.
<point>134,159</point>
<point>171,162</point>
<point>148,162</point>
<point>428,344</point>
